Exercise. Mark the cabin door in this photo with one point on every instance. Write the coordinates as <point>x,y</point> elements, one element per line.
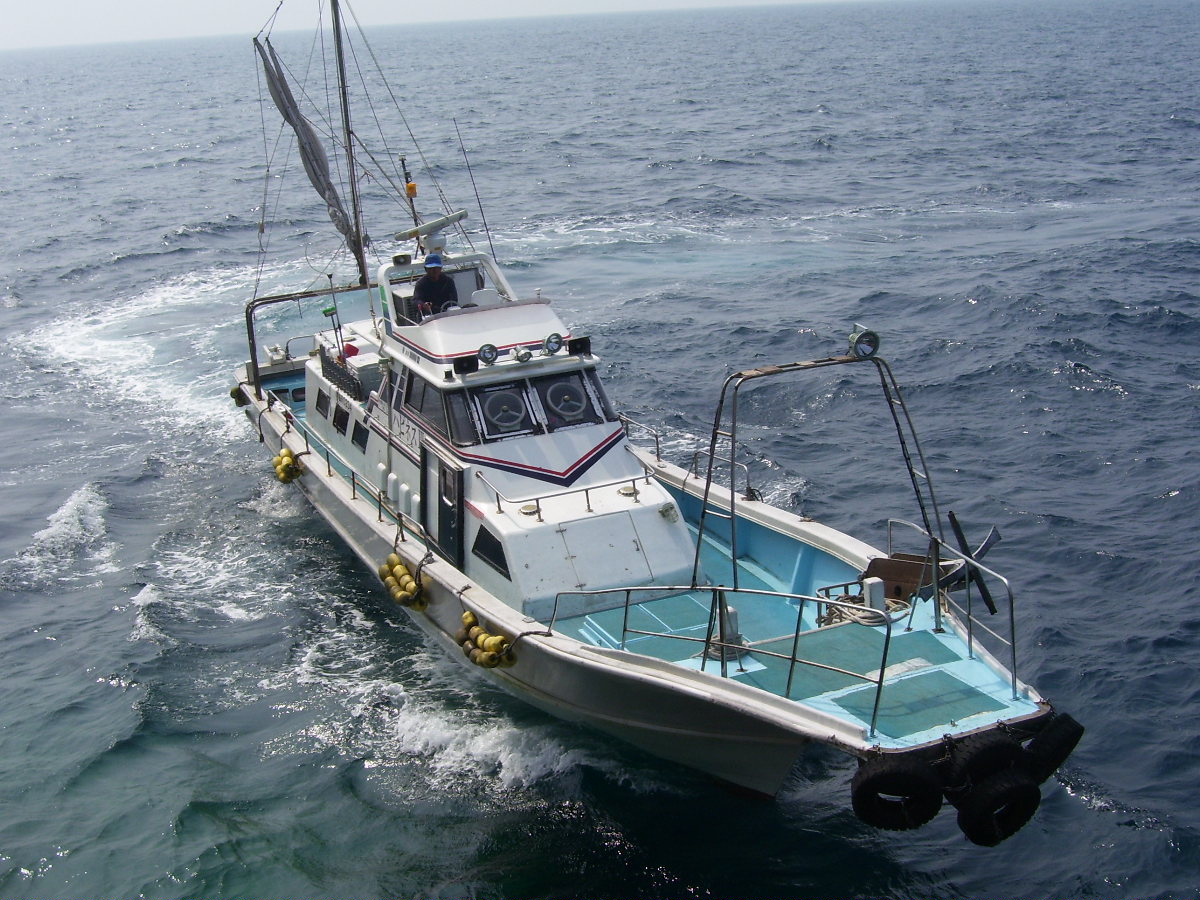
<point>443,506</point>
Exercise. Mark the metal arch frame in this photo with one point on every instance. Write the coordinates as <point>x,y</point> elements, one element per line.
<point>905,432</point>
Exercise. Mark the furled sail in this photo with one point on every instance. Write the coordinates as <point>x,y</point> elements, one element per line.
<point>316,163</point>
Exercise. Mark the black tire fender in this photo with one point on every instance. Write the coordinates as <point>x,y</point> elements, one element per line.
<point>978,757</point>
<point>998,807</point>
<point>896,794</point>
<point>1052,745</point>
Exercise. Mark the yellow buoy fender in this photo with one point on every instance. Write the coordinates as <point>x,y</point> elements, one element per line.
<point>287,465</point>
<point>495,643</point>
<point>483,649</point>
<point>400,584</point>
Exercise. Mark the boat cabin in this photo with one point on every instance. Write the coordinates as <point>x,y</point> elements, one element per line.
<point>486,426</point>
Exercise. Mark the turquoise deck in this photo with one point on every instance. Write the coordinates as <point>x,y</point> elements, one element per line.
<point>286,387</point>
<point>932,684</point>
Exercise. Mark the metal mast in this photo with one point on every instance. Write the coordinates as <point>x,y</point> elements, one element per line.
<point>356,237</point>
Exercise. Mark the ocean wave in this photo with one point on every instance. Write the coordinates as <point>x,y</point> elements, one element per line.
<point>231,224</point>
<point>141,351</point>
<point>73,546</point>
<point>144,626</point>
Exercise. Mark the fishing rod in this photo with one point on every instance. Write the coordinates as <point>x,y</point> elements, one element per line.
<point>478,202</point>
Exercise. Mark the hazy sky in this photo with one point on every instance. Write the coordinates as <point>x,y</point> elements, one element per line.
<point>29,23</point>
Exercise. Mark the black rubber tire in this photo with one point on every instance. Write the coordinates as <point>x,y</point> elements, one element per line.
<point>978,757</point>
<point>1052,745</point>
<point>895,794</point>
<point>998,807</point>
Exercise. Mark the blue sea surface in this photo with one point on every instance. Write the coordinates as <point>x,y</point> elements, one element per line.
<point>206,696</point>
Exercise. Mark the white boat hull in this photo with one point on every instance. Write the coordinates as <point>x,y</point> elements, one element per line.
<point>696,719</point>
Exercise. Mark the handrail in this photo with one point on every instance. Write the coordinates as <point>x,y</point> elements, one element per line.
<point>970,560</point>
<point>692,471</point>
<point>718,617</point>
<point>287,347</point>
<point>586,491</point>
<point>254,305</point>
<point>357,483</point>
<point>628,423</point>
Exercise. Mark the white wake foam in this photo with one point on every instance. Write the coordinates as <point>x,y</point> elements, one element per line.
<point>71,547</point>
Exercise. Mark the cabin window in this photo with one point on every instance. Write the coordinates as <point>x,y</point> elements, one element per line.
<point>323,403</point>
<point>502,409</point>
<point>341,418</point>
<point>395,390</point>
<point>448,484</point>
<point>593,381</point>
<point>361,435</point>
<point>298,395</point>
<point>426,401</point>
<point>565,400</point>
<point>488,548</point>
<point>462,426</point>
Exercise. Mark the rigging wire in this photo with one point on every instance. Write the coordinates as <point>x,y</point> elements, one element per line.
<point>270,23</point>
<point>383,172</point>
<point>316,49</point>
<point>445,202</point>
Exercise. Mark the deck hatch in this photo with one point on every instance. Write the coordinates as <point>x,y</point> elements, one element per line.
<point>605,550</point>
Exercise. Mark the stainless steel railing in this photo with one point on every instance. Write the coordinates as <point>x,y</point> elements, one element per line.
<point>719,645</point>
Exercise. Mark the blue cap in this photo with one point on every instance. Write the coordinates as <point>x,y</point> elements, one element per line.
<point>433,261</point>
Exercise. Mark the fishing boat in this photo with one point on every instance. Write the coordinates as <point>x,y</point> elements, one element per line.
<point>466,451</point>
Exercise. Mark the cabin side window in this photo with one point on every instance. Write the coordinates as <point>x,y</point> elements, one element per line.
<point>597,390</point>
<point>488,548</point>
<point>425,400</point>
<point>396,385</point>
<point>360,437</point>
<point>341,418</point>
<point>323,403</point>
<point>462,426</point>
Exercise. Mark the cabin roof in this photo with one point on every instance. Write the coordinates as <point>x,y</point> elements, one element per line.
<point>436,343</point>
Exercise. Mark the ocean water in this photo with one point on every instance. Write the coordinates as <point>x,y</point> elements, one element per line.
<point>205,696</point>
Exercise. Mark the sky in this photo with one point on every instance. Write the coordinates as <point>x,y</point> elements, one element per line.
<point>49,23</point>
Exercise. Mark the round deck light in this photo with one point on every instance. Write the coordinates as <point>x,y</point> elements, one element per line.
<point>552,344</point>
<point>488,354</point>
<point>863,343</point>
<point>522,354</point>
